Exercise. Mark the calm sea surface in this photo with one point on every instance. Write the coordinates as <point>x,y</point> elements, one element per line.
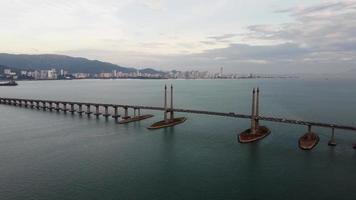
<point>54,156</point>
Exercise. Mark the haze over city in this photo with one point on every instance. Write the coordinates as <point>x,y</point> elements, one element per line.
<point>277,36</point>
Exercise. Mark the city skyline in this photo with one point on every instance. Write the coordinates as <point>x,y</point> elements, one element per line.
<point>261,37</point>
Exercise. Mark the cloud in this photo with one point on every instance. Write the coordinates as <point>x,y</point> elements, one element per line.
<point>154,4</point>
<point>222,37</point>
<point>196,35</point>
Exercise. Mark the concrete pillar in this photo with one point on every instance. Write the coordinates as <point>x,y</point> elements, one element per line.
<point>57,106</point>
<point>72,108</point>
<point>126,112</point>
<point>257,106</point>
<point>50,106</point>
<point>20,103</point>
<point>253,122</point>
<point>172,113</point>
<point>332,141</point>
<point>134,112</point>
<point>25,103</point>
<point>309,128</point>
<point>139,112</point>
<point>31,104</point>
<point>116,113</point>
<point>165,104</point>
<point>80,109</point>
<point>106,114</point>
<point>43,105</point>
<point>88,110</point>
<point>97,111</point>
<point>37,105</point>
<point>64,107</point>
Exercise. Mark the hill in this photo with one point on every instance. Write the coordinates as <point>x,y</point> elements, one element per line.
<point>70,64</point>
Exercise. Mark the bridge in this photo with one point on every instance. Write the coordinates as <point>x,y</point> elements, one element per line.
<point>111,110</point>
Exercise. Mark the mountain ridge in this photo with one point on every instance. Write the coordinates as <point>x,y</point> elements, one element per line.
<point>65,62</point>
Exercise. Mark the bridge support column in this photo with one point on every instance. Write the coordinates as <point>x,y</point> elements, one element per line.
<point>43,105</point>
<point>38,105</point>
<point>57,107</point>
<point>332,141</point>
<point>106,114</point>
<point>116,113</point>
<point>80,109</point>
<point>50,106</point>
<point>97,111</point>
<point>72,109</point>
<point>65,108</point>
<point>88,110</point>
<point>134,112</point>
<point>126,116</point>
<point>139,111</point>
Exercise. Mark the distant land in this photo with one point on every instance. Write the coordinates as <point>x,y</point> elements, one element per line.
<point>58,62</point>
<point>53,67</point>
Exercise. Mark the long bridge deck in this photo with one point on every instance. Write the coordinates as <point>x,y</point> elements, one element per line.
<point>204,112</point>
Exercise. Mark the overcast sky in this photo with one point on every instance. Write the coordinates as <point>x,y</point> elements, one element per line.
<point>269,36</point>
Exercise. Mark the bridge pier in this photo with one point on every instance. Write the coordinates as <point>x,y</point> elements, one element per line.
<point>126,115</point>
<point>65,108</point>
<point>50,106</point>
<point>97,112</point>
<point>57,106</point>
<point>25,103</point>
<point>72,110</point>
<point>44,106</point>
<point>88,112</point>
<point>171,121</point>
<point>309,140</point>
<point>80,109</point>
<point>31,104</point>
<point>37,105</point>
<point>332,141</point>
<point>106,114</point>
<point>116,113</point>
<point>255,132</point>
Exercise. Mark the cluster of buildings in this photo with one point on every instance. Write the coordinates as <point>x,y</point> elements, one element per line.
<point>208,75</point>
<point>53,74</point>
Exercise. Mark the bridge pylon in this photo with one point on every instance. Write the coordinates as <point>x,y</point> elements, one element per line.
<point>171,121</point>
<point>255,132</point>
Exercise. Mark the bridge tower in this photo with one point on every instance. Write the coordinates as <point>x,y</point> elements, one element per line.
<point>172,112</point>
<point>255,132</point>
<point>172,121</point>
<point>165,104</point>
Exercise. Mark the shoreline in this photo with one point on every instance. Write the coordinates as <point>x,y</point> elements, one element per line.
<point>21,80</point>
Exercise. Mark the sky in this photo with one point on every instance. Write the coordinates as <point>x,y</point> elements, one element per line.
<point>254,36</point>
